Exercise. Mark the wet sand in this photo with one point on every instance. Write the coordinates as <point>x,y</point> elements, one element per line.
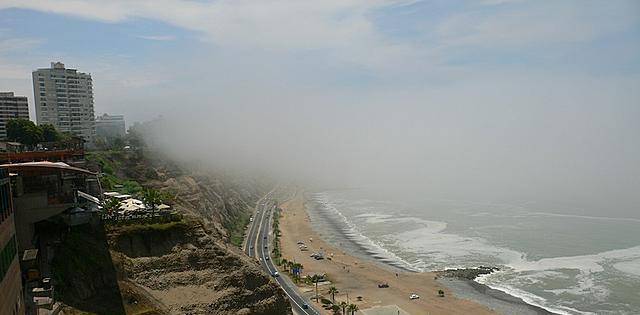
<point>356,277</point>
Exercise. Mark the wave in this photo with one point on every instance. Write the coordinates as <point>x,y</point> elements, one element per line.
<point>531,299</point>
<point>352,233</point>
<point>432,248</point>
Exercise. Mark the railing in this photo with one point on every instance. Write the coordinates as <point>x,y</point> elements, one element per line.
<point>141,217</point>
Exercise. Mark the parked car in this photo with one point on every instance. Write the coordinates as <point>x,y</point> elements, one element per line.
<point>305,306</point>
<point>266,258</point>
<point>383,285</point>
<point>414,296</point>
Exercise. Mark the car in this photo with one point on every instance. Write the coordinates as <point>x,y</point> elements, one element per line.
<point>266,258</point>
<point>414,296</point>
<point>266,246</point>
<point>264,237</point>
<point>275,274</point>
<point>305,306</point>
<point>383,285</point>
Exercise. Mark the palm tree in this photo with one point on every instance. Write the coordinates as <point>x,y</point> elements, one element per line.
<point>152,198</point>
<point>285,264</point>
<point>110,205</point>
<point>344,305</point>
<point>352,308</point>
<point>315,279</point>
<point>333,291</point>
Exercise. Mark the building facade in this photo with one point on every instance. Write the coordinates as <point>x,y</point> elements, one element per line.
<point>11,107</point>
<point>11,299</point>
<point>110,126</point>
<point>64,99</point>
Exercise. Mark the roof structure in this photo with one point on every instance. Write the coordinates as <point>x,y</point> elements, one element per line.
<point>45,165</point>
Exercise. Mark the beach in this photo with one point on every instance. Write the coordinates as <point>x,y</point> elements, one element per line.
<point>357,277</point>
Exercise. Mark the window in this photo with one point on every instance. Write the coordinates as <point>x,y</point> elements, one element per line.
<point>7,255</point>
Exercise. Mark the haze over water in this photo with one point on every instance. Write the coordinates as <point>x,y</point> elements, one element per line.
<point>549,256</point>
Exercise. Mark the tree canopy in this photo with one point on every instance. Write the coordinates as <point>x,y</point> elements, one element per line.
<point>24,131</point>
<point>27,132</point>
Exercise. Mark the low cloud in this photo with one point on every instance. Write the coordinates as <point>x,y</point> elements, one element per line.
<point>162,38</point>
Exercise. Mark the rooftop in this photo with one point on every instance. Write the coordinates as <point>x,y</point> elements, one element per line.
<point>45,166</point>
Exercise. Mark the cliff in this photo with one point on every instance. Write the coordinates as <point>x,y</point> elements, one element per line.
<point>182,269</point>
<point>185,267</point>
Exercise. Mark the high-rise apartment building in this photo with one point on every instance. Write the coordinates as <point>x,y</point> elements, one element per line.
<point>64,98</point>
<point>110,126</point>
<point>11,107</point>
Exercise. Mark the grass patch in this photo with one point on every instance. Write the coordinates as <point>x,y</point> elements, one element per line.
<point>153,227</point>
<point>109,162</point>
<point>236,228</point>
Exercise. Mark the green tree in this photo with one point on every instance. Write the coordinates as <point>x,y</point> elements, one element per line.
<point>333,290</point>
<point>315,279</point>
<point>118,143</point>
<point>151,198</point>
<point>343,306</point>
<point>352,308</point>
<point>24,131</point>
<point>111,205</point>
<point>49,133</point>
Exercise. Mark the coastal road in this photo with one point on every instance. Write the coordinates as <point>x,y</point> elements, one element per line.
<point>250,240</point>
<point>258,245</point>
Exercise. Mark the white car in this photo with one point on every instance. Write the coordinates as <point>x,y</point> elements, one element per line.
<point>414,296</point>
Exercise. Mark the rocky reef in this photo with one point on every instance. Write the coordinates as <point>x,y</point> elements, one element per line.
<point>467,273</point>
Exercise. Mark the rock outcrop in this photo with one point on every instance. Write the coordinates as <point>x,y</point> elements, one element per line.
<point>181,267</point>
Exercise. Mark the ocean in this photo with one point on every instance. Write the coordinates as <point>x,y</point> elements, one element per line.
<point>550,257</point>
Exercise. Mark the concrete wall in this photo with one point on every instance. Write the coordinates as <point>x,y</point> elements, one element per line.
<point>11,301</point>
<point>29,209</point>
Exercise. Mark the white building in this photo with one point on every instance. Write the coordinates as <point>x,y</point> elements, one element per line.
<point>64,98</point>
<point>11,107</point>
<point>110,126</point>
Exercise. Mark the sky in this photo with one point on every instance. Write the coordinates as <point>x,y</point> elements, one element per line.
<point>487,99</point>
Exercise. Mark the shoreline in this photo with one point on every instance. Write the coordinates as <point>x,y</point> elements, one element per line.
<point>459,283</point>
<point>357,278</point>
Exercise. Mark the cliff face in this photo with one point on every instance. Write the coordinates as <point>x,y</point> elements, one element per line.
<point>184,270</point>
<point>83,272</point>
<point>189,267</point>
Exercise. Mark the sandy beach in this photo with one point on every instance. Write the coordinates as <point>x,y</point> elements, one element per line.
<point>355,277</point>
